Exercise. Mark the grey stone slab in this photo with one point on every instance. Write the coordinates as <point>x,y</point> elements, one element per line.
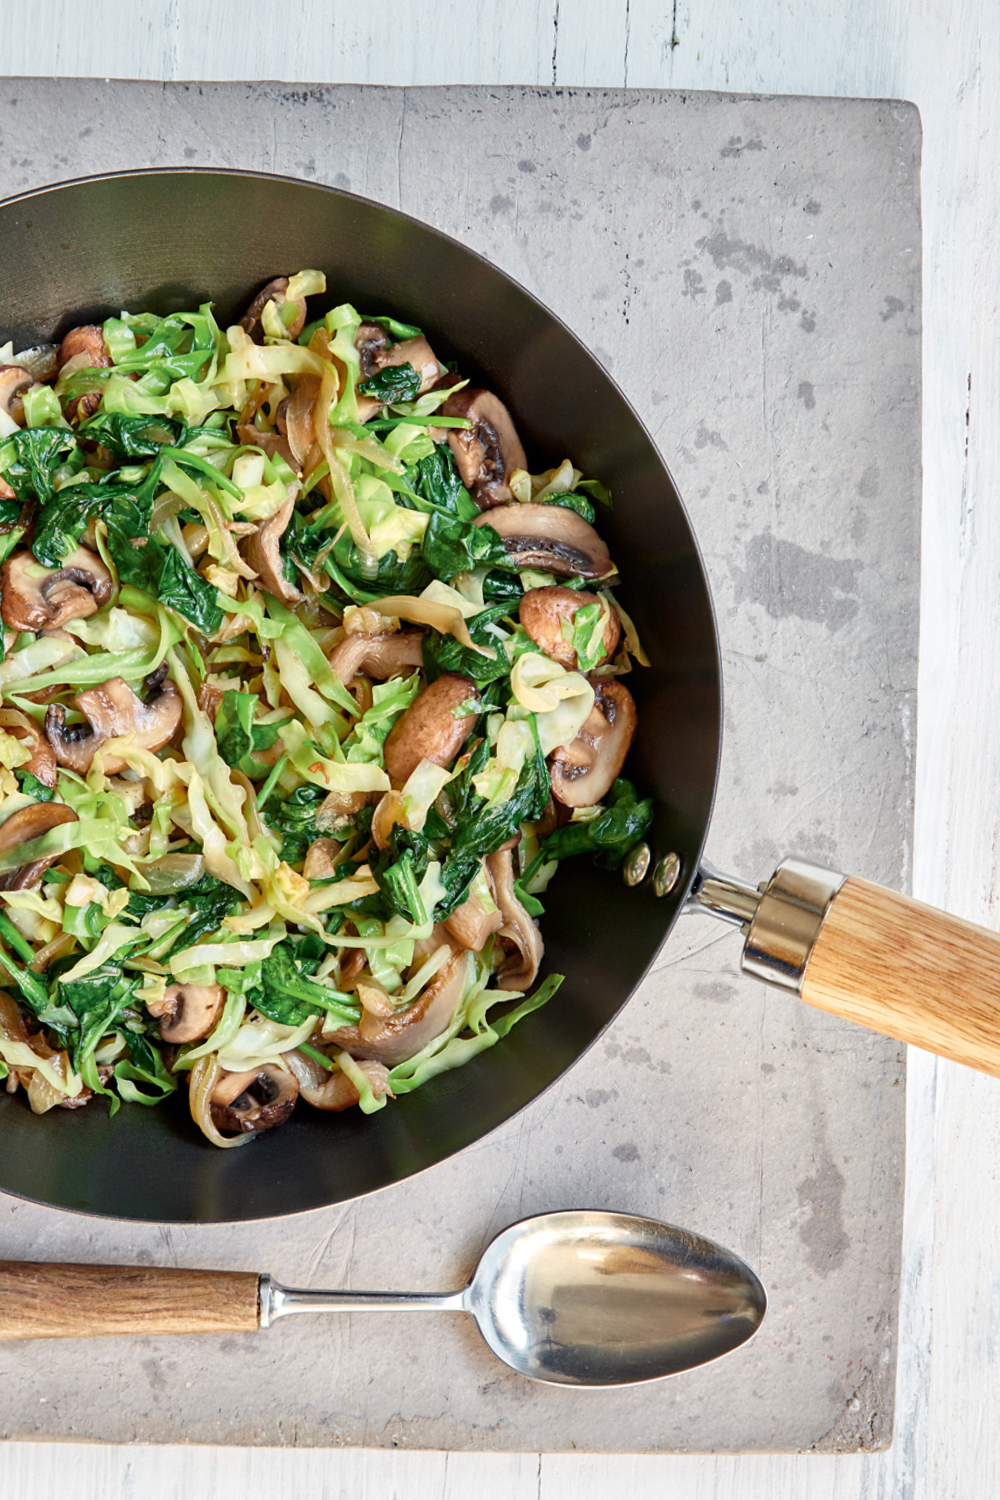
<point>749,270</point>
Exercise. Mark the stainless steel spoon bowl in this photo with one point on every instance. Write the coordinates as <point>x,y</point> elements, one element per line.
<point>585,1298</point>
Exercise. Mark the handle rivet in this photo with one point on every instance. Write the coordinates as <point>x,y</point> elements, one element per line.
<point>637,863</point>
<point>666,874</point>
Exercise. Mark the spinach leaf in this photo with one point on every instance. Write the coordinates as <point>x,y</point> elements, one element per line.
<point>288,995</point>
<point>443,653</point>
<point>609,836</point>
<point>32,787</point>
<point>436,482</point>
<point>237,735</point>
<point>162,572</point>
<point>572,500</point>
<point>451,546</point>
<point>64,517</point>
<point>481,829</point>
<point>391,384</point>
<point>38,451</point>
<point>97,1000</point>
<point>135,436</point>
<point>208,902</point>
<point>294,819</point>
<point>144,1065</point>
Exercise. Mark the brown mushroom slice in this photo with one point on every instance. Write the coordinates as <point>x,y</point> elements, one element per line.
<point>337,1091</point>
<point>419,355</point>
<point>188,1012</point>
<point>584,771</point>
<point>113,709</point>
<point>36,598</point>
<point>378,656</point>
<point>264,557</point>
<point>41,361</point>
<point>14,381</point>
<point>42,764</point>
<point>397,1037</point>
<point>297,420</point>
<point>471,924</point>
<point>248,1103</point>
<point>542,612</point>
<point>273,292</point>
<point>371,342</point>
<point>88,341</point>
<point>429,729</point>
<point>338,808</point>
<point>487,453</point>
<point>21,828</point>
<point>521,970</point>
<point>551,537</point>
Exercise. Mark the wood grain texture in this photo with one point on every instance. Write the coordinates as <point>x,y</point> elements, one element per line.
<point>55,1301</point>
<point>910,972</point>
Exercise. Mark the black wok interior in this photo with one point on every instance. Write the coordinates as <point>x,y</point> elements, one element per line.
<point>167,240</point>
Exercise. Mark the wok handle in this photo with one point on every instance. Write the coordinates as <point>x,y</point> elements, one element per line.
<point>909,971</point>
<point>862,952</point>
<point>56,1301</point>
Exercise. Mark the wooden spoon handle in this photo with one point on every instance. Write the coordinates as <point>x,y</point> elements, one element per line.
<point>53,1301</point>
<point>909,971</point>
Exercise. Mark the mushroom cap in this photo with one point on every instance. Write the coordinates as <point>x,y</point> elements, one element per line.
<point>262,553</point>
<point>429,730</point>
<point>33,597</point>
<point>542,611</point>
<point>188,1012</point>
<point>273,292</point>
<point>378,656</point>
<point>86,340</point>
<point>113,709</point>
<point>486,453</point>
<point>23,827</point>
<point>247,1103</point>
<point>551,537</point>
<point>42,764</point>
<point>584,771</point>
<point>518,927</point>
<point>14,381</point>
<point>392,1039</point>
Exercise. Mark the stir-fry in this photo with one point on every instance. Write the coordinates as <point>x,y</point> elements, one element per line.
<point>307,686</point>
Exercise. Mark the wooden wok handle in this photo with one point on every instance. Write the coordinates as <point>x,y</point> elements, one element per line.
<point>54,1301</point>
<point>862,952</point>
<point>909,971</point>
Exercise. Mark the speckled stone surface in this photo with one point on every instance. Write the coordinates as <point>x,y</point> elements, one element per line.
<point>749,271</point>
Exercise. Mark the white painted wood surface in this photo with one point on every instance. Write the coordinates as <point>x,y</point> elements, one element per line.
<point>943,54</point>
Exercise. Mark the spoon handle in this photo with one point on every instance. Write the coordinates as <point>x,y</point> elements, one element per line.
<point>58,1301</point>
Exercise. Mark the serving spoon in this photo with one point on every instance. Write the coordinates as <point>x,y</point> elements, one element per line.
<point>580,1298</point>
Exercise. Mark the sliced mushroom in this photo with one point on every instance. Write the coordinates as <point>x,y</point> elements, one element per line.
<point>262,553</point>
<point>273,292</point>
<point>41,361</point>
<point>21,828</point>
<point>378,656</point>
<point>270,443</point>
<point>14,381</point>
<point>370,341</point>
<point>339,808</point>
<point>335,1091</point>
<point>542,612</point>
<point>42,764</point>
<point>88,341</point>
<point>36,598</point>
<point>518,928</point>
<point>583,771</point>
<point>488,452</point>
<point>111,710</point>
<point>552,537</point>
<point>395,1038</point>
<point>471,924</point>
<point>188,1012</point>
<point>247,1103</point>
<point>429,729</point>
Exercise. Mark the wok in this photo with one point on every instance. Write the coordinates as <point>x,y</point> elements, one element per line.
<point>167,240</point>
